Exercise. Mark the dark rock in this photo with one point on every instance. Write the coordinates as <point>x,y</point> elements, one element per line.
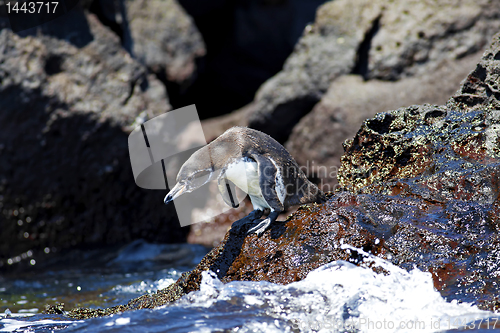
<point>157,33</point>
<point>480,90</point>
<point>326,51</point>
<point>376,39</point>
<point>165,39</point>
<point>244,43</point>
<point>65,175</point>
<point>424,193</point>
<point>160,35</point>
<point>55,309</point>
<point>445,162</point>
<point>247,43</point>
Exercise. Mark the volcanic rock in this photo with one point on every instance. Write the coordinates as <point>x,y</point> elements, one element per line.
<point>381,39</point>
<point>159,34</point>
<point>247,42</point>
<point>68,105</point>
<point>316,141</point>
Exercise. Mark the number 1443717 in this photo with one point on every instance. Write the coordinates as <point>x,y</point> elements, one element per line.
<point>31,7</point>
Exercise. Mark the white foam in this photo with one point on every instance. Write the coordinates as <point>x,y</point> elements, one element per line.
<point>10,325</point>
<point>340,296</point>
<point>29,311</point>
<point>118,321</point>
<point>143,286</point>
<point>336,297</point>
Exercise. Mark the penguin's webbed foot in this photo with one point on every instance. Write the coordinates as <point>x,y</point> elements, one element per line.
<point>260,228</point>
<point>249,219</point>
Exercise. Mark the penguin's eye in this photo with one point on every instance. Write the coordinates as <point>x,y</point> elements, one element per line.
<point>202,174</point>
<point>198,179</point>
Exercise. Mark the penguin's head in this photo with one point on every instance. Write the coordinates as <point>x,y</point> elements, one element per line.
<point>206,164</point>
<point>194,173</point>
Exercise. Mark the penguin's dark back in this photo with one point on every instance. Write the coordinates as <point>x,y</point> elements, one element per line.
<point>252,141</point>
<point>299,189</point>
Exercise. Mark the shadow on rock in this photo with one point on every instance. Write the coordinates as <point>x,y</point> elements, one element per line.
<point>231,251</point>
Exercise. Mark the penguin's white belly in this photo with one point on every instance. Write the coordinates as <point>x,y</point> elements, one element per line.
<point>245,175</point>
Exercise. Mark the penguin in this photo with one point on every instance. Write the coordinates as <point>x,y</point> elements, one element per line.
<point>258,165</point>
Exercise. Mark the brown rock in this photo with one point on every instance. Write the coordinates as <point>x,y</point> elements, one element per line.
<point>316,141</point>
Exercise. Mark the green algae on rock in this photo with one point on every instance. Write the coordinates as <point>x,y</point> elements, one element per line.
<point>419,141</point>
<point>430,142</point>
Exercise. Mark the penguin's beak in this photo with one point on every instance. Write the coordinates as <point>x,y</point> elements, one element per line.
<point>175,192</point>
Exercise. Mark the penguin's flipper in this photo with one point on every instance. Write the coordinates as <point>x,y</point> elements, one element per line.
<point>262,226</point>
<point>228,192</point>
<point>267,182</point>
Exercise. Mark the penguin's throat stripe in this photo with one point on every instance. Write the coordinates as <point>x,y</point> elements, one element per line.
<point>234,205</point>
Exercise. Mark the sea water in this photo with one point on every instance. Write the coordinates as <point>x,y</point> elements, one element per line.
<point>337,297</point>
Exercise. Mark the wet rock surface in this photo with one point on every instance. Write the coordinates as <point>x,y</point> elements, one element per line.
<point>440,183</point>
<point>444,159</point>
<point>431,142</point>
<point>457,242</point>
<point>68,105</point>
<point>421,189</point>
